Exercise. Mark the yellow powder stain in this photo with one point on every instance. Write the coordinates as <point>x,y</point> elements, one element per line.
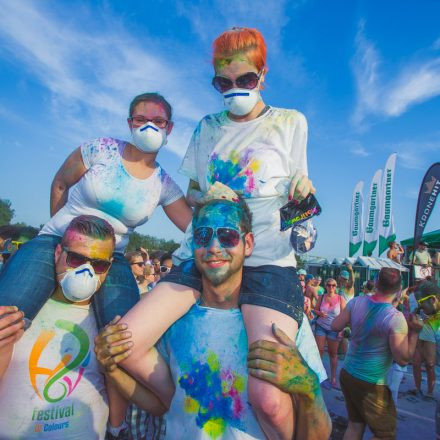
<point>225,387</point>
<point>254,165</point>
<point>213,361</point>
<point>214,427</point>
<point>234,157</point>
<point>239,384</point>
<point>190,405</point>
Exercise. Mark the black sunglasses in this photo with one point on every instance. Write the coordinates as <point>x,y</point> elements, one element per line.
<point>75,260</point>
<point>227,237</point>
<point>247,81</point>
<point>139,263</point>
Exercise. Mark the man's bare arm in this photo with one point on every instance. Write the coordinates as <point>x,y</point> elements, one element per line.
<point>404,345</point>
<point>112,346</point>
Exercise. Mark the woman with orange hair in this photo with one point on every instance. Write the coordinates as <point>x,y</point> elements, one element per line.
<point>258,151</point>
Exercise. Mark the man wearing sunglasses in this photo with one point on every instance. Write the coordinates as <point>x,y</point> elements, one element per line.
<point>200,367</point>
<point>49,377</point>
<point>427,295</point>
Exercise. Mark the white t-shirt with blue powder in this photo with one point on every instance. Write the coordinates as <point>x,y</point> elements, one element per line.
<point>257,159</point>
<point>108,191</point>
<point>206,351</point>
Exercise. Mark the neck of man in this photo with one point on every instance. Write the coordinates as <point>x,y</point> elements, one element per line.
<point>223,296</point>
<point>58,296</point>
<point>252,115</point>
<point>382,297</point>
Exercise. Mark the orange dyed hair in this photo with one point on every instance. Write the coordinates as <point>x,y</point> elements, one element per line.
<point>236,41</point>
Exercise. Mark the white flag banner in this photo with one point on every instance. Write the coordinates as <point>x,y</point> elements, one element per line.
<point>356,219</point>
<point>386,220</point>
<point>371,224</point>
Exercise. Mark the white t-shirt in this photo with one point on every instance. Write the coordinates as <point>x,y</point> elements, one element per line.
<point>206,350</point>
<point>108,191</point>
<point>52,388</point>
<point>258,159</point>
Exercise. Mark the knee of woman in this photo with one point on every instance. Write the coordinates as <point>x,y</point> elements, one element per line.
<point>266,399</point>
<point>430,365</point>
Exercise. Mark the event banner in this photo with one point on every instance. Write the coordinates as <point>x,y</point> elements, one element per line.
<point>356,219</point>
<point>386,220</point>
<point>371,224</point>
<point>428,193</point>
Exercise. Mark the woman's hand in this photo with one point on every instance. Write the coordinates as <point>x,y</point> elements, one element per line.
<point>112,345</point>
<point>300,187</point>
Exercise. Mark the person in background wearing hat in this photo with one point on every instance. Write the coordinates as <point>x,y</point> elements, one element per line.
<point>301,277</point>
<point>319,289</point>
<point>427,295</point>
<point>421,256</point>
<point>346,283</point>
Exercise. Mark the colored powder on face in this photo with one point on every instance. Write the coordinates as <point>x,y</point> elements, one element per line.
<point>237,171</point>
<point>215,396</point>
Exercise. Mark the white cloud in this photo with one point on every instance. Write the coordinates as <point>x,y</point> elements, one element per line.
<point>360,151</point>
<point>92,73</point>
<point>416,82</point>
<point>209,19</point>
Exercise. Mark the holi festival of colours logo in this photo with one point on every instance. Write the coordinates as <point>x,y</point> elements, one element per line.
<point>61,380</point>
<point>215,395</point>
<point>237,171</point>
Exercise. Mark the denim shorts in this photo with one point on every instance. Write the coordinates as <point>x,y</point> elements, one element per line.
<point>330,334</point>
<point>270,286</point>
<point>28,279</point>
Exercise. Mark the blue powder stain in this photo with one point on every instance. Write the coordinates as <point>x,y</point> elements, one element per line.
<point>205,386</point>
<point>226,172</point>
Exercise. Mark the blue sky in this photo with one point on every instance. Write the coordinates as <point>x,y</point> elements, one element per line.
<point>366,74</point>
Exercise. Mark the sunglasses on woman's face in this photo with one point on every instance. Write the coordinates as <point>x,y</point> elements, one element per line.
<point>139,264</point>
<point>331,285</point>
<point>247,81</point>
<point>75,260</point>
<point>227,237</point>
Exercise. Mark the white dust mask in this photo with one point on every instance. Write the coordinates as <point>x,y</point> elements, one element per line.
<point>149,138</point>
<point>79,284</point>
<point>240,102</point>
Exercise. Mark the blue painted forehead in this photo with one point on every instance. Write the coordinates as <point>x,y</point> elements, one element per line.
<point>219,214</point>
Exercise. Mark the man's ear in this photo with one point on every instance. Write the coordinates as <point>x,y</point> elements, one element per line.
<point>248,244</point>
<point>58,251</point>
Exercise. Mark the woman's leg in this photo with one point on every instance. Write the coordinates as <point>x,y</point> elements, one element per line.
<point>27,280</point>
<point>333,355</point>
<point>320,342</point>
<point>273,407</point>
<point>429,354</point>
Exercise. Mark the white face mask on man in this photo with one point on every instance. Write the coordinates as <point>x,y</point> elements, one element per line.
<point>149,138</point>
<point>79,284</point>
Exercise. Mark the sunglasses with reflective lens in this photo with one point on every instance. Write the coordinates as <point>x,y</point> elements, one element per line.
<point>164,269</point>
<point>227,237</point>
<point>247,81</point>
<point>141,120</point>
<point>75,260</point>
